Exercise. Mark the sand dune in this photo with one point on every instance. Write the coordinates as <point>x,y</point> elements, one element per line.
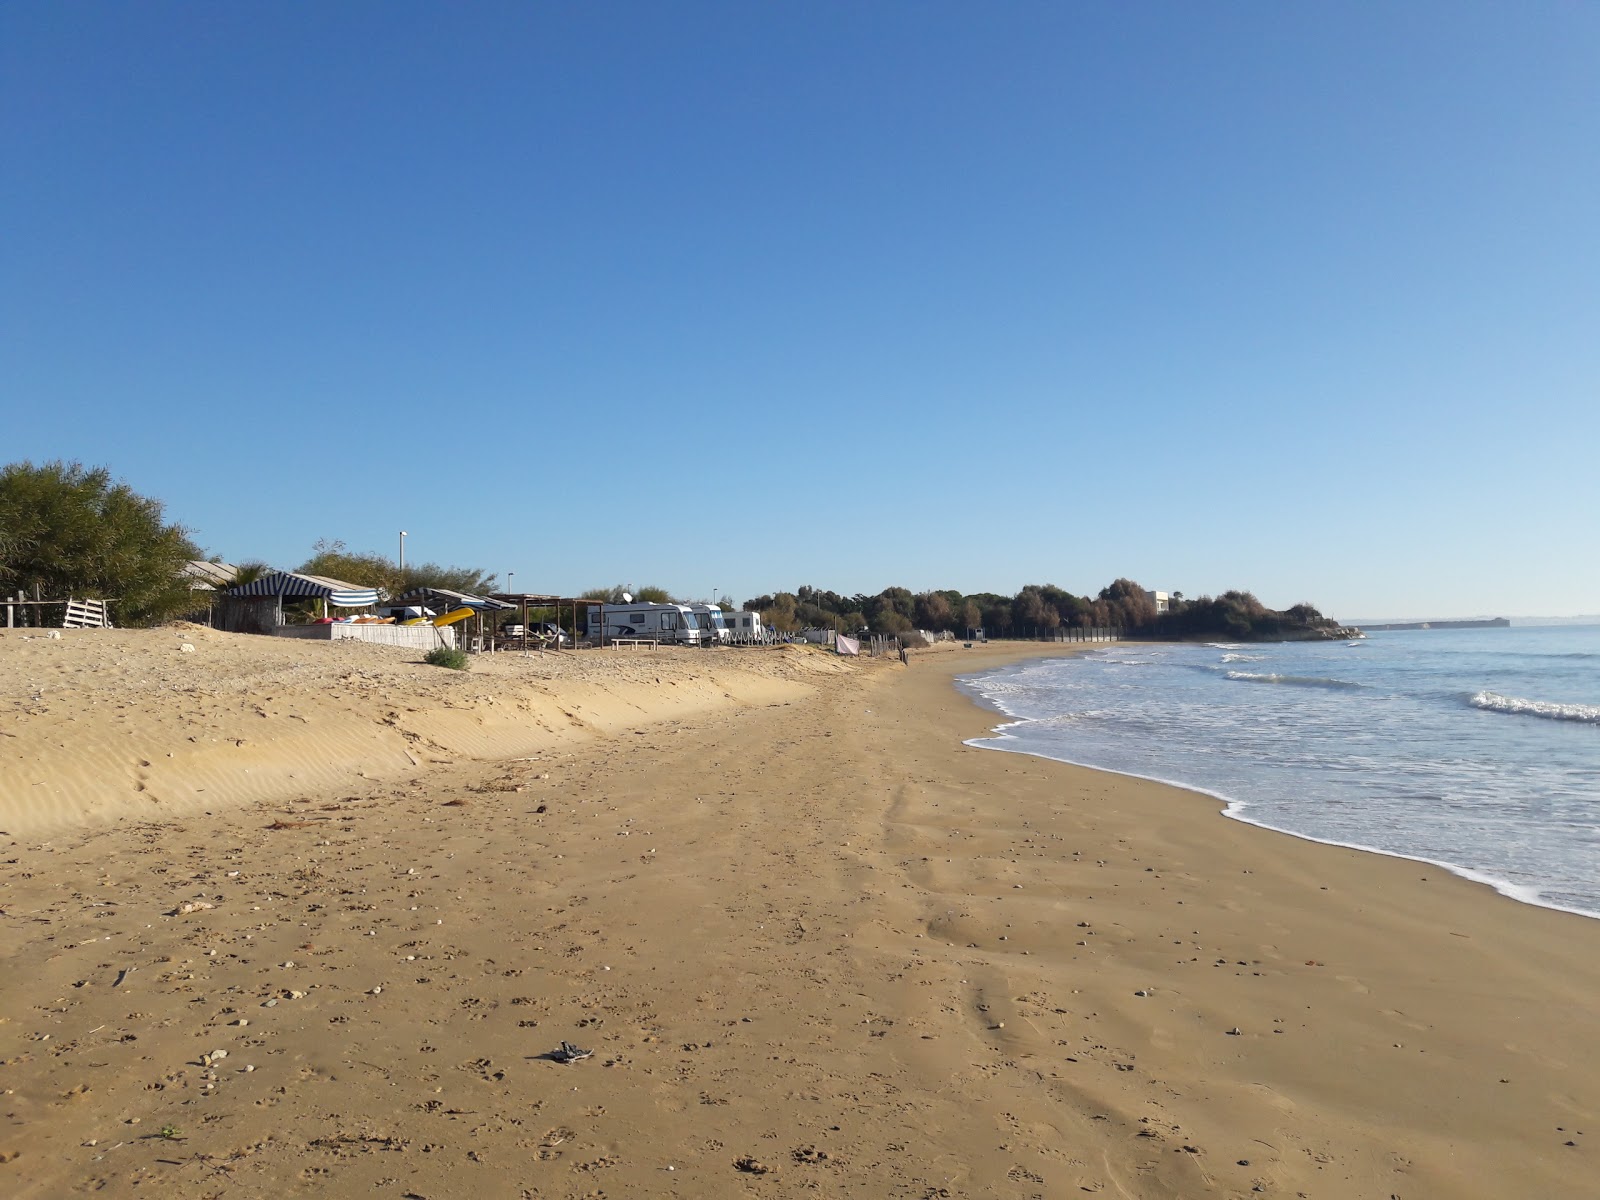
<point>814,943</point>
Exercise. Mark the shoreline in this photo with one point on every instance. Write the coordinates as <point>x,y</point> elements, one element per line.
<point>1235,809</point>
<point>815,943</point>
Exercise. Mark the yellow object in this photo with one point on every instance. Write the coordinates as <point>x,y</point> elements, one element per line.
<point>454,615</point>
<point>416,621</point>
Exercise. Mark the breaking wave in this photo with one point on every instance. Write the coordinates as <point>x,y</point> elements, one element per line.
<point>1227,658</point>
<point>1294,680</point>
<point>1588,714</point>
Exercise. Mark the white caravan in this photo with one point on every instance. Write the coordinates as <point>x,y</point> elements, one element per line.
<point>744,626</point>
<point>659,622</point>
<point>712,626</point>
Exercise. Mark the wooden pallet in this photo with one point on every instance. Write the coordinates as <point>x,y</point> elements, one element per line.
<point>85,614</point>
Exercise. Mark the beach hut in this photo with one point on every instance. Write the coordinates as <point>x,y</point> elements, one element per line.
<point>257,607</point>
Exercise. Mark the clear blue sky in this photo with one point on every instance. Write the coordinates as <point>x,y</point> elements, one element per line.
<point>1301,299</point>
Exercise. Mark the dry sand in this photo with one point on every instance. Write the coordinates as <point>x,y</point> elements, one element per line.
<point>815,944</point>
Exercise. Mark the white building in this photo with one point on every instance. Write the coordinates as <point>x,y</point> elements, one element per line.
<point>1161,600</point>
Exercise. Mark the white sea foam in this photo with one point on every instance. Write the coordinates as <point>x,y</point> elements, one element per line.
<point>1494,702</point>
<point>1406,765</point>
<point>1294,680</point>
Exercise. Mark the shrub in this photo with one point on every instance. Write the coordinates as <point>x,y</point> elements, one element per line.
<point>446,656</point>
<point>66,530</point>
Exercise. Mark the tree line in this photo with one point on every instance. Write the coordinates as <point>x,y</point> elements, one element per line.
<point>66,530</point>
<point>1037,610</point>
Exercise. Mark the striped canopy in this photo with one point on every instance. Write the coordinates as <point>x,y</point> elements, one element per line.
<point>318,587</point>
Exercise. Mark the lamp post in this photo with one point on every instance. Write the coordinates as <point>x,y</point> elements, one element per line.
<point>402,550</point>
<point>510,575</point>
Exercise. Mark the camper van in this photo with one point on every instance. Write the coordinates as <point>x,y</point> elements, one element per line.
<point>712,626</point>
<point>744,626</point>
<point>660,622</point>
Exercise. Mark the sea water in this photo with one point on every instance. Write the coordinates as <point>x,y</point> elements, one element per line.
<point>1477,750</point>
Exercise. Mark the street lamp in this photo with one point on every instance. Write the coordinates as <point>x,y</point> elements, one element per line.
<point>402,549</point>
<point>510,575</point>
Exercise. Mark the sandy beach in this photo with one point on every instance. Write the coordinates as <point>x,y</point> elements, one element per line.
<point>299,919</point>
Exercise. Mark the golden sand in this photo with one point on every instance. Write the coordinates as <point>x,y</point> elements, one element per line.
<point>815,944</point>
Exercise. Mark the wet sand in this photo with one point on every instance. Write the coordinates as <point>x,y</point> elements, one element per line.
<point>815,944</point>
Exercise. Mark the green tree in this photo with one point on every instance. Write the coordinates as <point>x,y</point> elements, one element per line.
<point>891,620</point>
<point>781,614</point>
<point>933,611</point>
<point>330,558</point>
<point>72,531</point>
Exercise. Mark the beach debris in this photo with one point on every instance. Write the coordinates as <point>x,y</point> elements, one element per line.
<point>750,1166</point>
<point>1142,992</point>
<point>1234,1032</point>
<point>568,1053</point>
<point>123,974</point>
<point>186,648</point>
<point>190,906</point>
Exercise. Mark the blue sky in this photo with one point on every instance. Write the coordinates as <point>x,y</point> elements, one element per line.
<point>1298,299</point>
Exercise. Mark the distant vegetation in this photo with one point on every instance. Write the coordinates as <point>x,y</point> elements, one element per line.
<point>333,560</point>
<point>66,530</point>
<point>1038,610</point>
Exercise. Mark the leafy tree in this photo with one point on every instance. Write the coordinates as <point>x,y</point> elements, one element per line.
<point>66,530</point>
<point>653,595</point>
<point>330,558</point>
<point>933,611</point>
<point>971,615</point>
<point>471,580</point>
<point>249,572</point>
<point>891,620</point>
<point>781,613</point>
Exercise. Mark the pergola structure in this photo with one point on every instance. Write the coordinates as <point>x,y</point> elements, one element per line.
<point>444,600</point>
<point>527,600</point>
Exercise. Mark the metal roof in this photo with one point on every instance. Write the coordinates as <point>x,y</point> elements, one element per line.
<point>454,599</point>
<point>209,574</point>
<point>291,583</point>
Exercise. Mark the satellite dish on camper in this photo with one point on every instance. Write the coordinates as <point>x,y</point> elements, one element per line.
<point>627,597</point>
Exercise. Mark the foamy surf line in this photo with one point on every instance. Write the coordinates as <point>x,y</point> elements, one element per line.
<point>1588,714</point>
<point>1235,809</point>
<point>1294,680</point>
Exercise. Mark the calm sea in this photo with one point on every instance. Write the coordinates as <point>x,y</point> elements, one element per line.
<point>1477,750</point>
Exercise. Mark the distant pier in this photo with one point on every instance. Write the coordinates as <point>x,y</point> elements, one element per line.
<point>1487,623</point>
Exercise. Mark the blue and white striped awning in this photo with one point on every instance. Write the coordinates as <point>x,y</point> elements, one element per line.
<point>288,583</point>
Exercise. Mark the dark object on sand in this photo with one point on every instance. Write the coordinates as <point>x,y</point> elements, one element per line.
<point>568,1053</point>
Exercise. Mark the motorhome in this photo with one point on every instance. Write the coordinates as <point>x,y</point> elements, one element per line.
<point>712,627</point>
<point>744,626</point>
<point>658,622</point>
